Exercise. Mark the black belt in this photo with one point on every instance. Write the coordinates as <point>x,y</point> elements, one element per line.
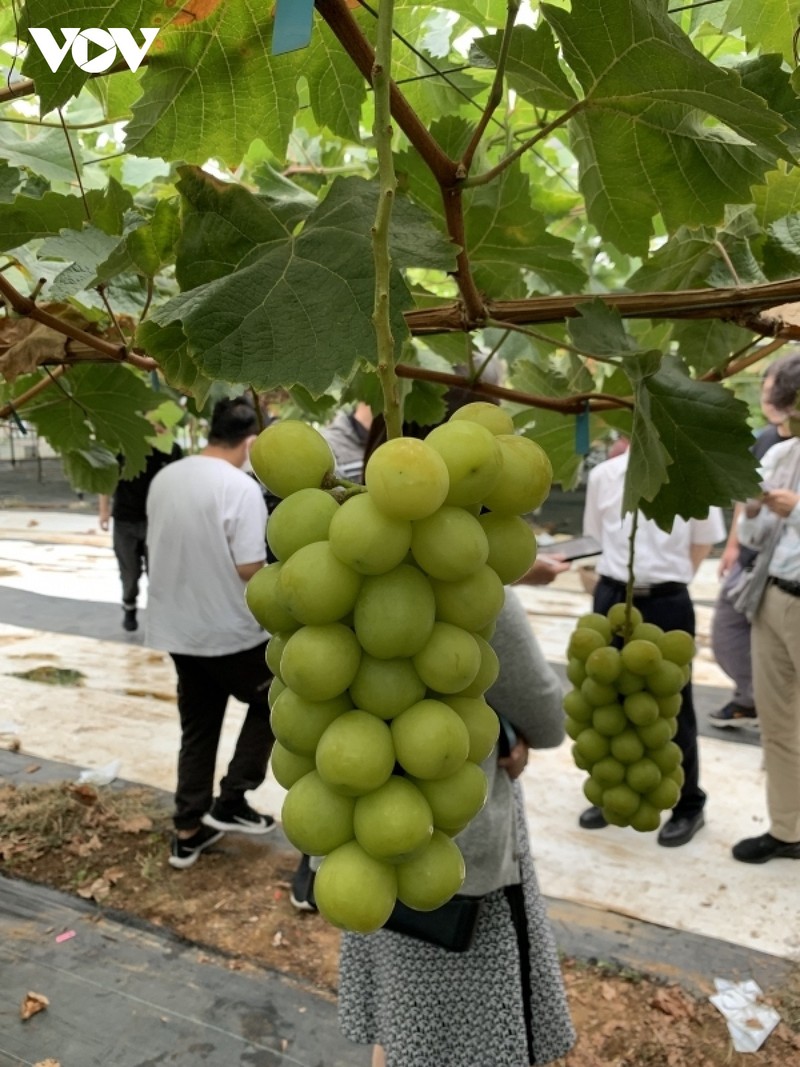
<point>792,588</point>
<point>642,591</point>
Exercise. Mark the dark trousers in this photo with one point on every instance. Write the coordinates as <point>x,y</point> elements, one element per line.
<point>674,611</point>
<point>205,684</point>
<point>130,548</point>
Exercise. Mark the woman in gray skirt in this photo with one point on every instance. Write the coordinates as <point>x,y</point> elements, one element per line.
<point>501,1003</point>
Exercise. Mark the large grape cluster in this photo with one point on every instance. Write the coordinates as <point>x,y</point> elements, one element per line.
<point>380,608</point>
<point>621,713</point>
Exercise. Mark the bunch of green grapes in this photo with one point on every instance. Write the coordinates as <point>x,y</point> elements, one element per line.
<point>380,608</point>
<point>621,714</point>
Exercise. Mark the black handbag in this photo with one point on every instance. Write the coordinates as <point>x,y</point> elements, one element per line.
<point>452,926</point>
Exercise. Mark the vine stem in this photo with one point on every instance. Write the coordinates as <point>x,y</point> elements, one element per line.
<point>382,133</point>
<point>627,628</point>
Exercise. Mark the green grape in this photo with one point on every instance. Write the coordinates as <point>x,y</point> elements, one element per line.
<point>576,705</point>
<point>593,620</point>
<point>525,477</point>
<point>473,459</point>
<point>613,818</point>
<point>593,746</point>
<point>289,456</point>
<point>655,733</point>
<point>665,795</point>
<point>265,603</point>
<point>367,540</point>
<point>647,631</point>
<point>641,708</point>
<point>393,822</point>
<point>430,739</point>
<point>320,662</point>
<point>276,687</point>
<point>604,665</point>
<point>668,707</point>
<point>395,613</point>
<point>573,728</point>
<point>299,724</point>
<point>608,771</point>
<point>677,646</point>
<point>450,544</point>
<point>643,775</point>
<point>457,799</point>
<point>666,680</point>
<point>450,659</point>
<point>646,818</point>
<point>666,757</point>
<point>483,726</point>
<point>430,878</point>
<point>609,720</point>
<point>385,687</point>
<point>593,792</point>
<point>275,647</point>
<point>315,818</point>
<point>316,587</point>
<point>301,519</point>
<point>621,800</point>
<point>678,776</point>
<point>471,603</point>
<point>583,641</point>
<point>597,694</point>
<point>576,671</point>
<point>487,672</point>
<point>616,617</point>
<point>288,768</point>
<point>627,747</point>
<point>406,479</point>
<point>627,682</point>
<point>355,754</point>
<point>641,657</point>
<point>354,891</point>
<point>494,418</point>
<point>580,761</point>
<point>512,545</point>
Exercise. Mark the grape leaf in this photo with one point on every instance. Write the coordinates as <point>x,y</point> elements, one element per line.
<point>642,141</point>
<point>10,178</point>
<point>337,89</point>
<point>532,68</point>
<point>294,307</point>
<point>704,430</point>
<point>100,404</point>
<point>46,152</point>
<point>169,346</point>
<point>767,23</point>
<point>706,344</point>
<point>213,86</point>
<point>93,469</point>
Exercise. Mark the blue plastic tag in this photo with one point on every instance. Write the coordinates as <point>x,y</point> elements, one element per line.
<point>294,20</point>
<point>582,432</point>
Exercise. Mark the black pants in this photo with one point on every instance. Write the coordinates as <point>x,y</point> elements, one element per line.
<point>130,548</point>
<point>205,684</point>
<point>674,611</point>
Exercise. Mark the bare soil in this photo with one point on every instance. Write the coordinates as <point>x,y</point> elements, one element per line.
<point>110,846</point>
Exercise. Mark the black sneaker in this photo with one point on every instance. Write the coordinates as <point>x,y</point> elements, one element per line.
<point>302,895</point>
<point>733,715</point>
<point>185,851</point>
<point>240,818</point>
<point>764,848</point>
<point>129,622</point>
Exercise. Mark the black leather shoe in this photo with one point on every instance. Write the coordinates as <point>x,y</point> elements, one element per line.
<point>680,830</point>
<point>592,819</point>
<point>763,848</point>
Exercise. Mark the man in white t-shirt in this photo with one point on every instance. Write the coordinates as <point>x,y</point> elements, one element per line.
<point>205,539</point>
<point>664,564</point>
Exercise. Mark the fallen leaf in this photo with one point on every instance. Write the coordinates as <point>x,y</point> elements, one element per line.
<point>32,1004</point>
<point>136,824</point>
<point>84,794</point>
<point>32,768</point>
<point>113,874</point>
<point>277,939</point>
<point>98,890</point>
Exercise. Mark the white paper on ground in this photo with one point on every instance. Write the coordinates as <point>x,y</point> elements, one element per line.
<point>749,1022</point>
<point>100,775</point>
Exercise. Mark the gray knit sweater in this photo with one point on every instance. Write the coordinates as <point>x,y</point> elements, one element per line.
<point>528,693</point>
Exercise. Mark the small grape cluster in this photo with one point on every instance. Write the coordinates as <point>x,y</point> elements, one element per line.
<point>380,608</point>
<point>621,714</point>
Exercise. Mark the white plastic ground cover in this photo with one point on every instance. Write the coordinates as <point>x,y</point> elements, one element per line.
<point>749,1022</point>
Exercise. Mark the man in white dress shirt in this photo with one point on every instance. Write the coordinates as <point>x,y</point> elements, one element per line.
<point>664,564</point>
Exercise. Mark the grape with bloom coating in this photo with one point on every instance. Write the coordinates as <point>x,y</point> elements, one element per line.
<point>481,722</point>
<point>315,818</point>
<point>473,459</point>
<point>472,602</point>
<point>394,613</point>
<point>354,891</point>
<point>355,754</point>
<point>457,799</point>
<point>320,662</point>
<point>265,603</point>
<point>385,687</point>
<point>299,520</point>
<point>406,479</point>
<point>512,545</point>
<point>316,587</point>
<point>290,455</point>
<point>367,540</point>
<point>393,822</point>
<point>431,877</point>
<point>430,739</point>
<point>449,660</point>
<point>288,768</point>
<point>299,724</point>
<point>450,544</point>
<point>525,477</point>
<point>492,416</point>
